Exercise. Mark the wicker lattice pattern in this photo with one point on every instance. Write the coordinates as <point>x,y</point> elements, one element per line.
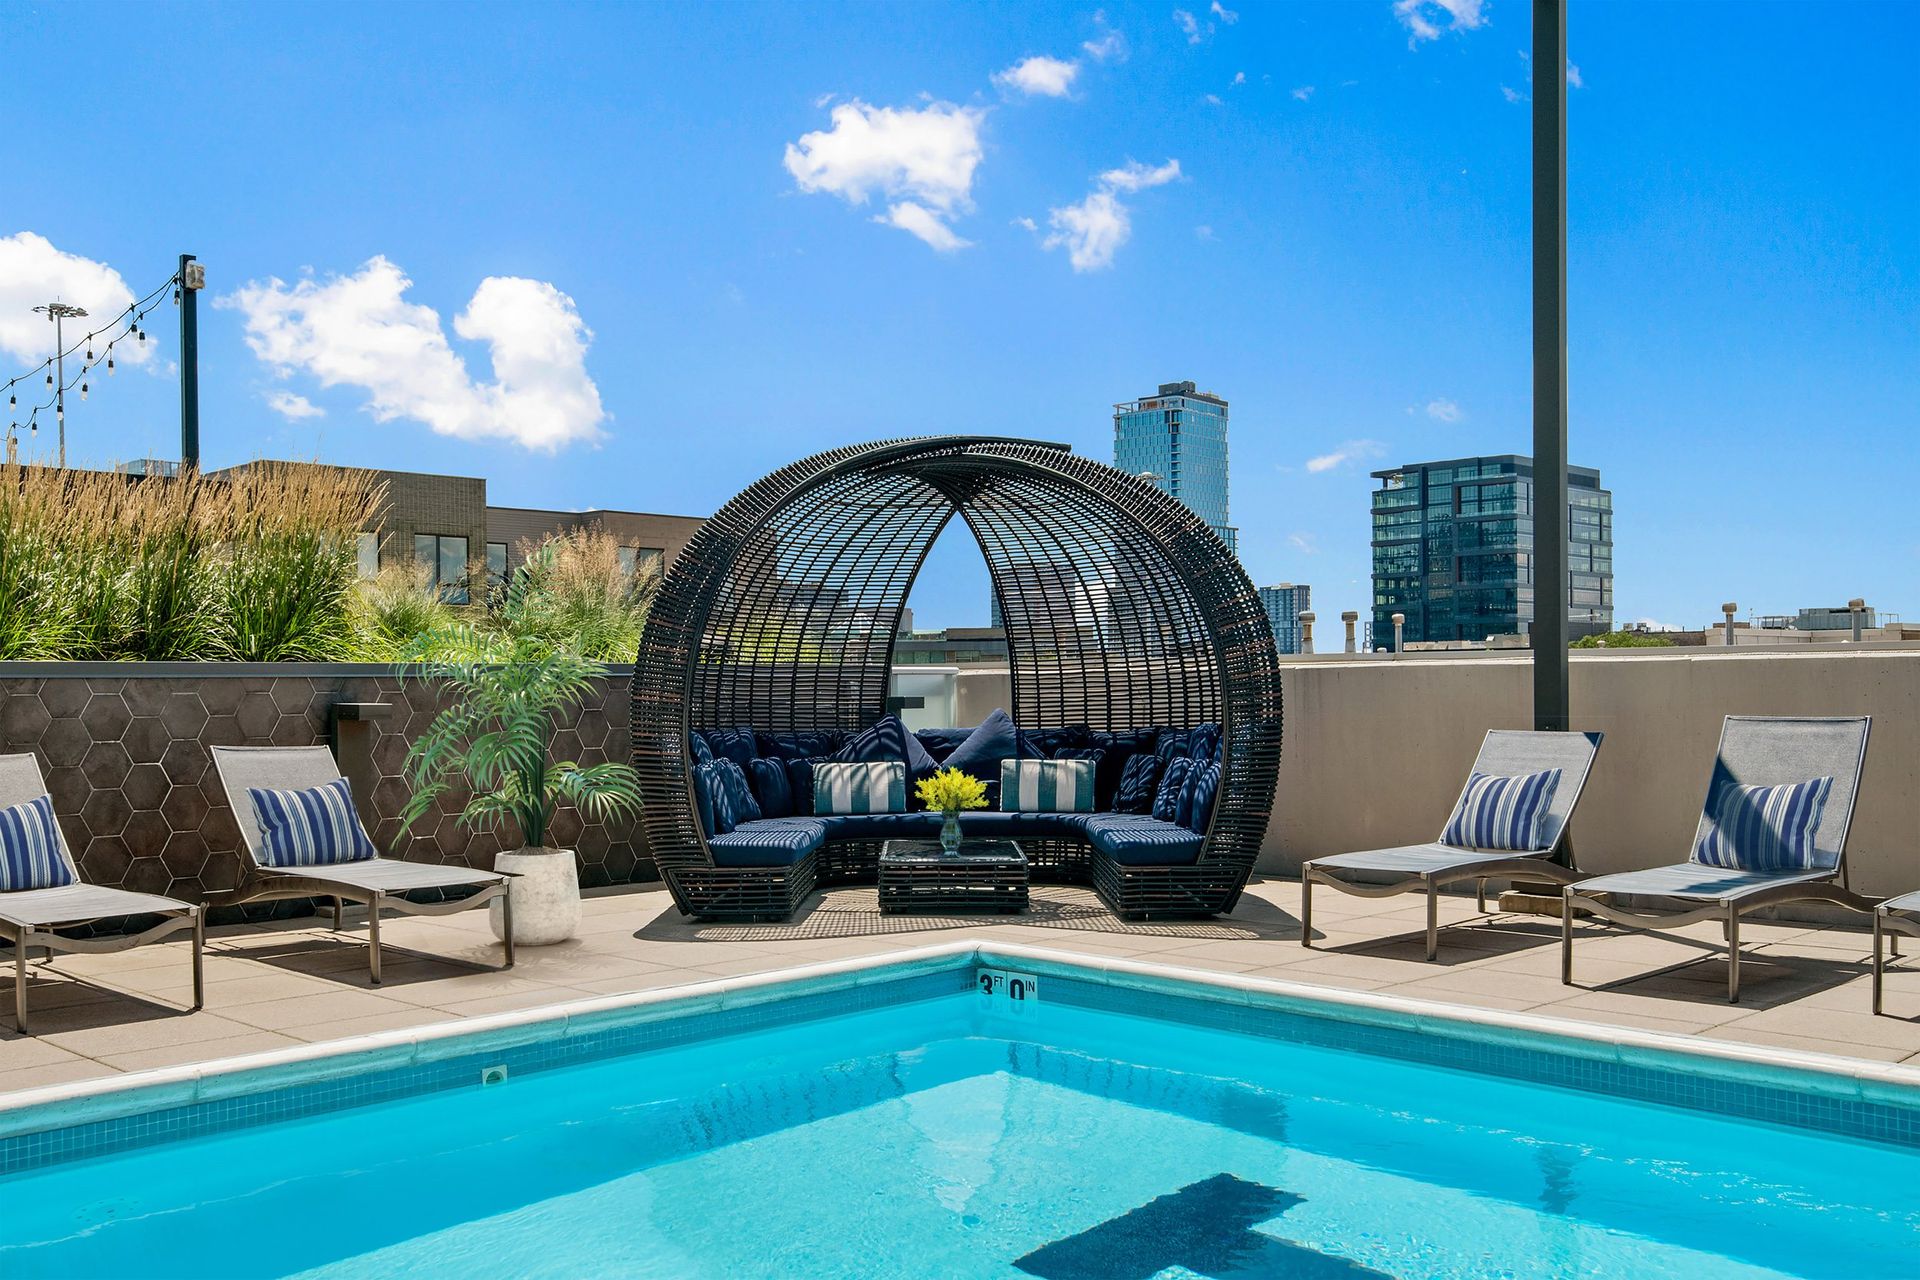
<point>1123,610</point>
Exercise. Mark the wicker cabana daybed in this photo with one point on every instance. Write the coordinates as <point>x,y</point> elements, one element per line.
<point>1124,613</point>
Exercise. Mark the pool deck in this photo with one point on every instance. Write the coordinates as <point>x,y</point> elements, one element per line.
<point>278,985</point>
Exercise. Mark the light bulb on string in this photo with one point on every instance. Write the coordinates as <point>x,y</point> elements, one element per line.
<point>109,366</point>
<point>83,391</point>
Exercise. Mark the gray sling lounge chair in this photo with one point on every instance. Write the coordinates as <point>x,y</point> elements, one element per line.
<point>1754,751</point>
<point>29,916</point>
<point>1431,867</point>
<point>380,883</point>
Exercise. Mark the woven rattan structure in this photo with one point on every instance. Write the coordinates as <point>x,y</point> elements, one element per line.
<point>1123,610</point>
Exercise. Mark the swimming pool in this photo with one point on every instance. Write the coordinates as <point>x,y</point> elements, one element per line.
<point>891,1119</point>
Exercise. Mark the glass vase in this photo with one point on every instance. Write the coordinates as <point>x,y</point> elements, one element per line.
<point>950,832</point>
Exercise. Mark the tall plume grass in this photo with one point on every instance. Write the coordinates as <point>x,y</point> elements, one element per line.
<point>254,565</point>
<point>572,592</point>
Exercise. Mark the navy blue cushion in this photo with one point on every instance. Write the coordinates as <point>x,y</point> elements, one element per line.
<point>716,811</point>
<point>1139,783</point>
<point>941,742</point>
<point>800,779</point>
<point>888,739</point>
<point>1204,743</point>
<point>1046,744</point>
<point>1119,747</point>
<point>800,744</point>
<point>996,825</point>
<point>741,806</point>
<point>703,799</point>
<point>881,826</point>
<point>736,744</point>
<point>771,787</point>
<point>770,842</point>
<point>995,739</point>
<point>1173,778</point>
<point>1139,841</point>
<point>697,747</point>
<point>1172,744</point>
<point>1196,798</point>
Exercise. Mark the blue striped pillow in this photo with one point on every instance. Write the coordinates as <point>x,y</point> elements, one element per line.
<point>1173,783</point>
<point>872,786</point>
<point>1766,828</point>
<point>1502,812</point>
<point>30,852</point>
<point>1046,786</point>
<point>315,827</point>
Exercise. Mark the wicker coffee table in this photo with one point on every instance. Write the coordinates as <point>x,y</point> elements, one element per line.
<point>919,874</point>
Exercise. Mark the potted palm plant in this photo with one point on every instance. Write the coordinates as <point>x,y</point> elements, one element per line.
<point>493,741</point>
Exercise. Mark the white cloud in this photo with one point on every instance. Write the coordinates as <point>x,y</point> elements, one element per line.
<point>918,220</point>
<point>1305,543</point>
<point>1027,224</point>
<point>294,407</point>
<point>1189,24</point>
<point>1134,176</point>
<point>1239,78</point>
<point>1039,76</point>
<point>921,160</point>
<point>1225,14</point>
<point>1214,100</point>
<point>1108,45</point>
<point>1441,409</point>
<point>34,273</point>
<point>1654,624</point>
<point>1093,230</point>
<point>1350,452</point>
<point>1512,94</point>
<point>1303,93</point>
<point>1419,16</point>
<point>1573,76</point>
<point>359,330</point>
<point>1204,232</point>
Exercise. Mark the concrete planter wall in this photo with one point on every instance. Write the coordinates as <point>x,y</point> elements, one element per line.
<point>124,747</point>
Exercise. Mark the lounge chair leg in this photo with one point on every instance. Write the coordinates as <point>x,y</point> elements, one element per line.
<point>506,924</point>
<point>1566,937</point>
<point>339,914</point>
<point>1433,920</point>
<point>373,939</point>
<point>1480,895</point>
<point>1879,965</point>
<point>21,941</point>
<point>1733,954</point>
<point>199,950</point>
<point>1306,905</point>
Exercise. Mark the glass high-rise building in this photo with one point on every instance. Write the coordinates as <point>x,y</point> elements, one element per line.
<point>1284,605</point>
<point>1178,438</point>
<point>1453,549</point>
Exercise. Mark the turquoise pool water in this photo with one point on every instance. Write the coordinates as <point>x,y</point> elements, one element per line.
<point>934,1139</point>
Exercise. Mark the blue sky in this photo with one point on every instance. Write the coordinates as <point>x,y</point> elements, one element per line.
<point>786,227</point>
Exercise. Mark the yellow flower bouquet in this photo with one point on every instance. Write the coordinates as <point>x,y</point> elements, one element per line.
<point>949,791</point>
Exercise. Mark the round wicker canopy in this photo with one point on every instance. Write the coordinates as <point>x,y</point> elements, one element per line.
<point>1122,610</point>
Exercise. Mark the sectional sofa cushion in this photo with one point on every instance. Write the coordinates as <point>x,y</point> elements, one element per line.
<point>30,852</point>
<point>872,786</point>
<point>1139,841</point>
<point>772,787</point>
<point>737,744</point>
<point>993,740</point>
<point>1197,796</point>
<point>1205,742</point>
<point>310,827</point>
<point>1045,744</point>
<point>698,748</point>
<point>941,742</point>
<point>1173,780</point>
<point>1139,784</point>
<point>887,739</point>
<point>770,842</point>
<point>800,744</point>
<point>1046,786</point>
<point>742,807</point>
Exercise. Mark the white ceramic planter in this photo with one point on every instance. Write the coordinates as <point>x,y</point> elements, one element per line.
<point>546,896</point>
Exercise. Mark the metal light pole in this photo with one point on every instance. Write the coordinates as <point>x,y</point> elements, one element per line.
<point>1550,669</point>
<point>60,313</point>
<point>192,279</point>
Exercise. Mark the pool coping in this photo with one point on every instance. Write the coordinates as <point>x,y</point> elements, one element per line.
<point>88,1101</point>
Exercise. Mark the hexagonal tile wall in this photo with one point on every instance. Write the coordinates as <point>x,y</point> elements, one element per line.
<point>127,763</point>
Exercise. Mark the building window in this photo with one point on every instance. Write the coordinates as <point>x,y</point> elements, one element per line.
<point>367,551</point>
<point>444,556</point>
<point>497,563</point>
<point>641,560</point>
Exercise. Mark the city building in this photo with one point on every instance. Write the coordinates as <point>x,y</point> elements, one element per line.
<point>1178,439</point>
<point>1453,550</point>
<point>444,524</point>
<point>1284,605</point>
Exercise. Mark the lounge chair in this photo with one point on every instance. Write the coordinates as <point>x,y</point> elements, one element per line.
<point>28,917</point>
<point>378,882</point>
<point>1754,751</point>
<point>1431,867</point>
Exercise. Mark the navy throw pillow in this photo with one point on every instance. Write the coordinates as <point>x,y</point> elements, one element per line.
<point>887,739</point>
<point>716,816</point>
<point>1173,782</point>
<point>800,784</point>
<point>771,787</point>
<point>741,806</point>
<point>736,744</point>
<point>941,742</point>
<point>1203,743</point>
<point>995,739</point>
<point>1139,780</point>
<point>799,744</point>
<point>1196,798</point>
<point>697,747</point>
<point>1172,745</point>
<point>1047,744</point>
